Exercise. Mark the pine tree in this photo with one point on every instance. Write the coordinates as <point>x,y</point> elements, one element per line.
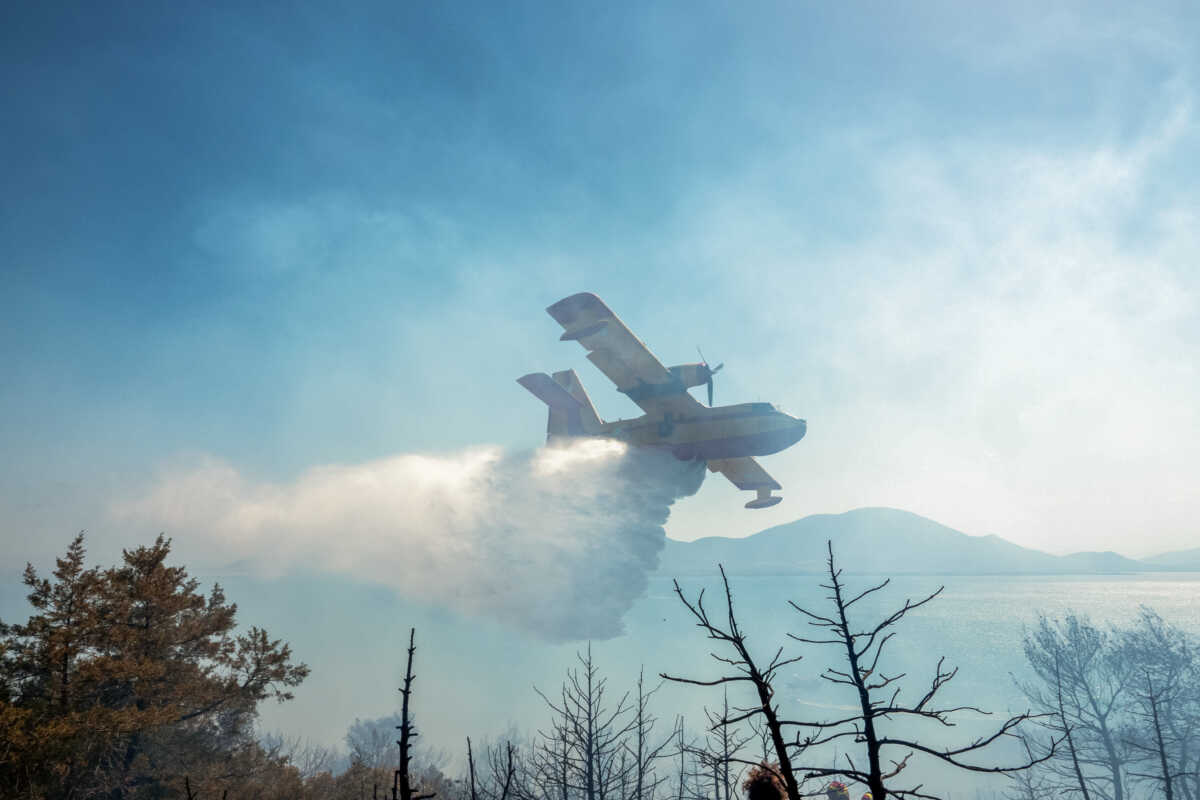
<point>129,678</point>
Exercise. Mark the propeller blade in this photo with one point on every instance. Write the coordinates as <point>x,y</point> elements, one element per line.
<point>711,371</point>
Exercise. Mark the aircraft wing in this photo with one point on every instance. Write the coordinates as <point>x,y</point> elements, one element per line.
<point>621,355</point>
<point>744,473</point>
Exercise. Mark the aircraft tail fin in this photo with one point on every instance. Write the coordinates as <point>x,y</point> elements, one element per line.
<point>571,411</point>
<point>587,412</point>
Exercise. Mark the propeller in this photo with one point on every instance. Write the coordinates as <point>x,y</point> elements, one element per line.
<point>711,371</point>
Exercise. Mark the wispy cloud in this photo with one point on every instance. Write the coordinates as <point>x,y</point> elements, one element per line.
<point>1008,347</point>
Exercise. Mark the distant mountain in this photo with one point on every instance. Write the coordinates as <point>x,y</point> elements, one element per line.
<point>879,541</point>
<point>1188,560</point>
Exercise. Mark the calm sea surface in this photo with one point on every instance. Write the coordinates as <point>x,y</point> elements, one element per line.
<point>977,622</point>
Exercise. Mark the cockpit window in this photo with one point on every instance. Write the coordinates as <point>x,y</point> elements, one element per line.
<point>761,408</point>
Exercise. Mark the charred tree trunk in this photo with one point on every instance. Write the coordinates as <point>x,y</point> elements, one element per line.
<point>1062,717</point>
<point>748,671</point>
<point>1158,740</point>
<point>471,770</point>
<point>402,782</point>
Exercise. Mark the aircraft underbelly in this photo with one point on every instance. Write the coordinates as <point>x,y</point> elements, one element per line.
<point>762,443</point>
<point>709,441</point>
<point>728,440</point>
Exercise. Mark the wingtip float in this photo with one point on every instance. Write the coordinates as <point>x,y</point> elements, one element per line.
<point>726,437</point>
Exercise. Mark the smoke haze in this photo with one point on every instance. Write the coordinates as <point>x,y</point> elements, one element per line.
<point>557,541</point>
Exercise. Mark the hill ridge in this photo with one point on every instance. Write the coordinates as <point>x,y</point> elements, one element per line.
<point>879,539</point>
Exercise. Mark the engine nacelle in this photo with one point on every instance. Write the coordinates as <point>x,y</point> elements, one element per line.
<point>692,374</point>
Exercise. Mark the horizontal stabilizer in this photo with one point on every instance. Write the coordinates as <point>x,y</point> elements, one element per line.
<point>543,387</point>
<point>583,333</point>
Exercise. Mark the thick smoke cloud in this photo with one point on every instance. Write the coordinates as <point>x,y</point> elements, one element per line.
<point>557,541</point>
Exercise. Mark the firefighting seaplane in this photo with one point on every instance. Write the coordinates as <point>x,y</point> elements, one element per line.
<point>726,437</point>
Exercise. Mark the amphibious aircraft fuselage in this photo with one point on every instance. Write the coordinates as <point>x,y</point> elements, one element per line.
<point>726,437</point>
<point>734,431</point>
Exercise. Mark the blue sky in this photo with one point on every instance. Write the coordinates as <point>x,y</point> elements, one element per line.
<point>960,239</point>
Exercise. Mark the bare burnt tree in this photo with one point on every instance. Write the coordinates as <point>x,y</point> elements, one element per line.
<point>1064,728</point>
<point>694,777</point>
<point>1029,784</point>
<point>876,693</point>
<point>762,740</point>
<point>684,772</point>
<point>548,768</point>
<point>1084,682</point>
<point>472,784</point>
<point>1154,701</point>
<point>708,774</point>
<point>554,768</point>
<point>744,670</point>
<point>584,753</point>
<point>308,758</point>
<point>370,741</point>
<point>884,724</point>
<point>402,783</point>
<point>645,750</point>
<point>703,774</point>
<point>722,753</point>
<point>502,781</point>
<point>1163,735</point>
<point>712,772</point>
